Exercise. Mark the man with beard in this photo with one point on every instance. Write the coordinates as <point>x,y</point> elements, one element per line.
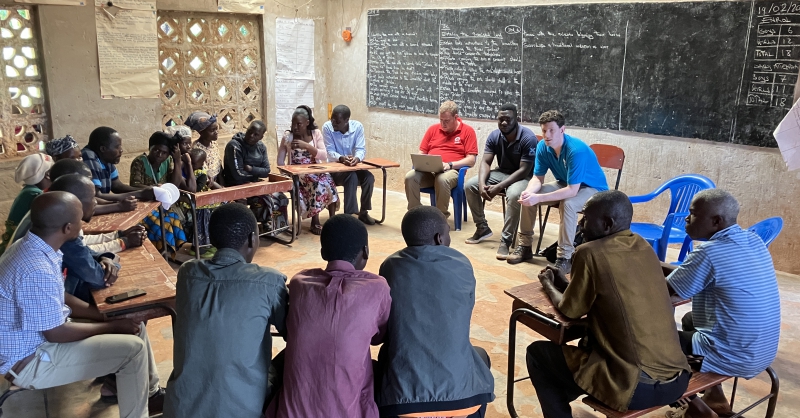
<point>514,146</point>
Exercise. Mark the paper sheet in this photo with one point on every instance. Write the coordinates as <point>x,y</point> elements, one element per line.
<point>54,2</point>
<point>787,134</point>
<point>127,49</point>
<point>241,6</point>
<point>290,93</point>
<point>294,48</point>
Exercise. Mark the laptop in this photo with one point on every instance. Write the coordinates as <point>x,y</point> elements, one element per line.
<point>427,163</point>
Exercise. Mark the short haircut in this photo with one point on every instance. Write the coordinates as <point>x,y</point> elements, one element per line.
<point>196,154</point>
<point>449,107</point>
<point>510,107</point>
<point>341,110</point>
<point>52,210</point>
<point>69,166</point>
<point>720,203</point>
<point>552,116</point>
<point>165,139</point>
<point>343,237</point>
<point>616,205</point>
<point>76,184</point>
<point>231,225</point>
<point>100,137</point>
<point>420,224</point>
<point>257,124</point>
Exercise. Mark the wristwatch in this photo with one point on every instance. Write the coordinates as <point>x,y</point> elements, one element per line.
<point>451,165</point>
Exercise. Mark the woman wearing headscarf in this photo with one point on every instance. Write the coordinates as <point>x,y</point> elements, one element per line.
<point>32,172</point>
<point>154,168</point>
<point>206,126</point>
<point>63,148</point>
<point>304,145</point>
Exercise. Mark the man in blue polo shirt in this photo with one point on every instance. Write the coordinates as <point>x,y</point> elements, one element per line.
<point>735,322</point>
<point>578,176</point>
<point>515,148</point>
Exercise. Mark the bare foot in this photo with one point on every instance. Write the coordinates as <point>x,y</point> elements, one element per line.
<point>698,409</point>
<point>716,400</point>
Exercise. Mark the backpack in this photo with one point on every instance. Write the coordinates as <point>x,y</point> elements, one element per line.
<point>551,252</point>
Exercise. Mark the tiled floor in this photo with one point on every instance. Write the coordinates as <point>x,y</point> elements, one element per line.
<point>489,326</point>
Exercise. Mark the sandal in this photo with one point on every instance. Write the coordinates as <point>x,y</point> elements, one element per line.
<point>316,229</point>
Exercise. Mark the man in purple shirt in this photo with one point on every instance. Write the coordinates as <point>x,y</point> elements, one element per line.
<point>334,316</point>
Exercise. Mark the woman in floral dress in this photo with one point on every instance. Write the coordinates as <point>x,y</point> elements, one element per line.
<point>304,145</point>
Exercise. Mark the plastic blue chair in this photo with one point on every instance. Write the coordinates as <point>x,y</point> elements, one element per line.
<point>682,189</point>
<point>767,230</point>
<point>459,197</point>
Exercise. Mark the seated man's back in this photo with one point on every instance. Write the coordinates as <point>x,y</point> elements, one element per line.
<point>334,316</point>
<point>225,307</point>
<point>427,362</point>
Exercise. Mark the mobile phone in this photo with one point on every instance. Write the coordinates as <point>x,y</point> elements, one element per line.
<point>135,293</point>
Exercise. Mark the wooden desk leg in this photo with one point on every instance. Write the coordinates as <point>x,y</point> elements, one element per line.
<point>383,208</point>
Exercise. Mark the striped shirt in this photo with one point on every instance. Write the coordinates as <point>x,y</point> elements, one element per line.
<point>102,174</point>
<point>735,302</point>
<point>31,298</point>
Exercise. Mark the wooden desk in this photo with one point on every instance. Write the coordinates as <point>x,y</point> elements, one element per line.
<point>296,170</point>
<point>120,221</point>
<point>273,184</point>
<point>142,268</point>
<point>533,308</point>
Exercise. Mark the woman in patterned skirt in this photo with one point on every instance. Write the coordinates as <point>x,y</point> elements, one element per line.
<point>304,145</point>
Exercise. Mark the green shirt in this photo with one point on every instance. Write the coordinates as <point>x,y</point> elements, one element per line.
<point>21,206</point>
<point>223,346</point>
<point>617,282</point>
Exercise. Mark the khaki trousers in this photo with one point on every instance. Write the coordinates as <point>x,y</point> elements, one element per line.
<point>128,356</point>
<point>568,208</point>
<point>443,184</point>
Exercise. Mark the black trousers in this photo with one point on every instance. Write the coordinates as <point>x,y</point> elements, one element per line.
<point>351,180</point>
<point>556,388</point>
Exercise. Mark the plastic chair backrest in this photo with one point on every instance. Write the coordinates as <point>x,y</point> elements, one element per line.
<point>768,229</point>
<point>682,190</point>
<point>610,156</point>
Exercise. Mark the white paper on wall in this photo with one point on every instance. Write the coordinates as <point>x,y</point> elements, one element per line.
<point>294,48</point>
<point>787,134</point>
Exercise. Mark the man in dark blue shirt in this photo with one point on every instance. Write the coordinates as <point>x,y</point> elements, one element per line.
<point>578,176</point>
<point>515,148</point>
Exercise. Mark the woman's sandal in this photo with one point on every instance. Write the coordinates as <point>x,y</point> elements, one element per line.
<point>316,229</point>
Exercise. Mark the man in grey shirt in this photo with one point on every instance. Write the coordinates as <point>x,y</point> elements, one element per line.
<point>225,307</point>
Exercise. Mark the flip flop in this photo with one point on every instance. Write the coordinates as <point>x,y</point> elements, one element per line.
<point>316,229</point>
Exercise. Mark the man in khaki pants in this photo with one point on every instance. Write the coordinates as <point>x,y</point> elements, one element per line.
<point>39,346</point>
<point>456,143</point>
<point>578,176</point>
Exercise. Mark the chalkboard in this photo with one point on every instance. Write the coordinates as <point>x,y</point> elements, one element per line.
<point>720,71</point>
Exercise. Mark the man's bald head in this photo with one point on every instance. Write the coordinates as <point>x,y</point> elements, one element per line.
<point>425,225</point>
<point>56,216</point>
<point>606,213</point>
<point>80,186</point>
<point>712,210</point>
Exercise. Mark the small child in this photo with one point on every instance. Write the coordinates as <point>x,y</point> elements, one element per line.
<point>198,157</point>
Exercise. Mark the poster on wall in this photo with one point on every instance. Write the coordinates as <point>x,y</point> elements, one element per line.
<point>54,2</point>
<point>290,93</point>
<point>294,48</point>
<point>241,6</point>
<point>127,49</point>
<point>787,135</point>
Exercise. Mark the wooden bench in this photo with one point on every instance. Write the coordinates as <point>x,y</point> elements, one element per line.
<point>698,383</point>
<point>273,184</point>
